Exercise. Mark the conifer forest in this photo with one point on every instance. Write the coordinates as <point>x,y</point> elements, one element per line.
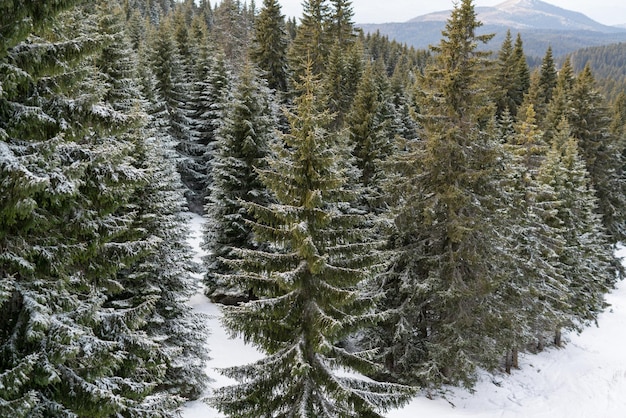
<point>380,220</point>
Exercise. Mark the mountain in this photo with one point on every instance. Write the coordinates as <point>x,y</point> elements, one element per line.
<point>540,24</point>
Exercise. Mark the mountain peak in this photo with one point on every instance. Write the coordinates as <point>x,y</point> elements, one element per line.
<point>529,14</point>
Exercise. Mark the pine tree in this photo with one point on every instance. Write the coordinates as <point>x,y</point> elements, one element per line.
<point>370,127</point>
<point>242,144</point>
<point>169,108</point>
<point>341,27</point>
<point>309,300</point>
<point>66,235</point>
<point>512,78</point>
<point>269,48</point>
<point>587,259</point>
<point>590,121</point>
<point>560,105</point>
<point>548,76</point>
<point>522,70</point>
<point>209,94</point>
<point>311,46</point>
<point>161,274</point>
<point>450,256</point>
<point>537,289</point>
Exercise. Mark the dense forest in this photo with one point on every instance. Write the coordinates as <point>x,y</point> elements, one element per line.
<point>380,220</point>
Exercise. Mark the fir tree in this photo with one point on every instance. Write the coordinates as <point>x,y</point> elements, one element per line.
<point>311,46</point>
<point>242,144</point>
<point>308,286</point>
<point>269,48</point>
<point>369,125</point>
<point>66,236</point>
<point>590,121</point>
<point>587,259</point>
<point>511,76</point>
<point>451,253</point>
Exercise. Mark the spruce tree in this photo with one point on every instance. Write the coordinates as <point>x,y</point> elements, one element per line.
<point>590,122</point>
<point>241,145</point>
<point>537,289</point>
<point>71,350</point>
<point>311,46</point>
<point>370,127</point>
<point>308,286</point>
<point>587,258</point>
<point>511,76</point>
<point>162,273</point>
<point>451,254</point>
<point>269,48</point>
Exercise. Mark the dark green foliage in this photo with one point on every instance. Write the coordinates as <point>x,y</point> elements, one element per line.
<point>608,65</point>
<point>269,48</point>
<point>308,286</point>
<point>512,77</point>
<point>450,253</point>
<point>312,44</point>
<point>242,143</point>
<point>590,122</point>
<point>564,170</point>
<point>73,338</point>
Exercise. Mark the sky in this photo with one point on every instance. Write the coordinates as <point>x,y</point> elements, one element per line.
<point>608,12</point>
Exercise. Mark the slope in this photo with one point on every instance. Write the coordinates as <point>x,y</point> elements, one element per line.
<point>587,378</point>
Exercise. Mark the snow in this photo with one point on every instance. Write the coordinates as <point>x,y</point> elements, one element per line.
<point>585,378</point>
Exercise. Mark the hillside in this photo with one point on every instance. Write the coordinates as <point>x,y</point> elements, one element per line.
<point>540,24</point>
<point>608,64</point>
<point>586,378</point>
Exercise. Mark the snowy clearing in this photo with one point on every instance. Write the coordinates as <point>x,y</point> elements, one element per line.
<point>587,378</point>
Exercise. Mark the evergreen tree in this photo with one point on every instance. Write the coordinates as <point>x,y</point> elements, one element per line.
<point>242,144</point>
<point>523,73</point>
<point>369,125</point>
<point>161,274</point>
<point>311,46</point>
<point>511,76</point>
<point>451,254</point>
<point>587,259</point>
<point>560,105</point>
<point>269,48</point>
<point>169,109</point>
<point>537,289</point>
<point>206,102</point>
<point>68,347</point>
<point>308,286</point>
<point>542,86</point>
<point>341,26</point>
<point>590,121</point>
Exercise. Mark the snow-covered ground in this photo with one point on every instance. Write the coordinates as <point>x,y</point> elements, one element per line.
<point>586,378</point>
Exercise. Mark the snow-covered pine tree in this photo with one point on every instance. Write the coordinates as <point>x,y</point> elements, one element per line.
<point>242,143</point>
<point>161,273</point>
<point>69,179</point>
<point>587,259</point>
<point>537,288</point>
<point>451,248</point>
<point>207,102</point>
<point>308,285</point>
<point>601,150</point>
<point>169,108</point>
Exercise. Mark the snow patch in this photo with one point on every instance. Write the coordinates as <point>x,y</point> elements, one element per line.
<point>586,378</point>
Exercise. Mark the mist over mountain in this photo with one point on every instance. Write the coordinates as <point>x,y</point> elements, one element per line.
<point>540,24</point>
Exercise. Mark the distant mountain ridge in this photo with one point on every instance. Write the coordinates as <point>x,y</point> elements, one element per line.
<point>528,14</point>
<point>541,25</point>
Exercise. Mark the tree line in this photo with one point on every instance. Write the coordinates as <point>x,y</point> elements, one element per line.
<point>388,220</point>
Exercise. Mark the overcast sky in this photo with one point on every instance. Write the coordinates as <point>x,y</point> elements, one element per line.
<point>609,12</point>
